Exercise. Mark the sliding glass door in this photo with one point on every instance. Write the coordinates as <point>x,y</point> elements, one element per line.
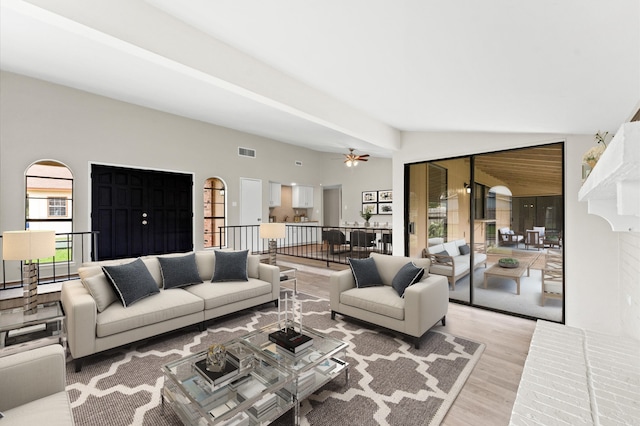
<point>494,225</point>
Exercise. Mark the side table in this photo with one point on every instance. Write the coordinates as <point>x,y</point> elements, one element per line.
<point>288,274</point>
<point>19,331</point>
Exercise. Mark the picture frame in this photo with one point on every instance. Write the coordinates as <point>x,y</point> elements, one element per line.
<point>385,208</point>
<point>385,196</point>
<point>372,206</point>
<point>369,197</point>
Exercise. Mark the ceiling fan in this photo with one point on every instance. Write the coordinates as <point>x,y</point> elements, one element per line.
<point>352,159</point>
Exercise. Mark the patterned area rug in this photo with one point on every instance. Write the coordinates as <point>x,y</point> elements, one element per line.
<point>391,383</point>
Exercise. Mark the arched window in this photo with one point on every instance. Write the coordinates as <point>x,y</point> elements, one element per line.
<point>49,202</point>
<point>215,209</point>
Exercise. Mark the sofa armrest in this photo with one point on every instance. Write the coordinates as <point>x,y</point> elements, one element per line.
<point>31,375</point>
<point>425,302</point>
<point>338,282</point>
<point>271,274</point>
<point>81,318</point>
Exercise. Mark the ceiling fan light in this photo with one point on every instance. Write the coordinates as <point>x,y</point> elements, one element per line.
<point>349,163</point>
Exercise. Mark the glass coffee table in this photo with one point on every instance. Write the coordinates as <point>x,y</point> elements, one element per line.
<point>268,384</point>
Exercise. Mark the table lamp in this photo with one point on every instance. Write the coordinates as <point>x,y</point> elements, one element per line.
<point>272,231</point>
<point>28,246</point>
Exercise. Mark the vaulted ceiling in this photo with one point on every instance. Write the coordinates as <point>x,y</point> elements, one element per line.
<point>334,74</point>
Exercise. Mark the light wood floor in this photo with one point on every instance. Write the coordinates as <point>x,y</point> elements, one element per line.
<point>488,395</point>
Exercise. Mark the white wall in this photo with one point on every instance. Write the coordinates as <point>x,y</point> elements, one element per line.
<point>374,175</point>
<point>592,273</point>
<point>42,120</point>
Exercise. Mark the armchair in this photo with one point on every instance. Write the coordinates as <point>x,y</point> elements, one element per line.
<point>533,239</point>
<point>32,388</point>
<point>507,237</point>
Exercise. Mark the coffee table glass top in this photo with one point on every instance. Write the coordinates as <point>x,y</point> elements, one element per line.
<point>254,392</point>
<point>325,349</point>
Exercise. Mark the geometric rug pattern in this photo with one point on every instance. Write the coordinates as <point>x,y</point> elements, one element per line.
<point>391,383</point>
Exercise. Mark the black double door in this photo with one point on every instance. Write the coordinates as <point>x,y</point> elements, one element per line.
<point>141,212</point>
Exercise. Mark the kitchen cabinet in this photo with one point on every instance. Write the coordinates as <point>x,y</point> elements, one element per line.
<point>302,197</point>
<point>275,194</point>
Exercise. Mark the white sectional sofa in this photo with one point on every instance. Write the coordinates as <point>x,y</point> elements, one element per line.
<point>423,305</point>
<point>447,259</point>
<point>32,390</point>
<point>96,320</point>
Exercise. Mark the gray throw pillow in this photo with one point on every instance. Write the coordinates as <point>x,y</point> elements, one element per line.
<point>408,275</point>
<point>179,271</point>
<point>442,253</point>
<point>464,249</point>
<point>131,281</point>
<point>365,272</point>
<point>230,266</point>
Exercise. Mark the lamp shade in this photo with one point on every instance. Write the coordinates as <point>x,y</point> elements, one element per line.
<point>28,245</point>
<point>273,230</point>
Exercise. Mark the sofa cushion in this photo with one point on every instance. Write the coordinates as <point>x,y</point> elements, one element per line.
<point>179,271</point>
<point>464,249</point>
<point>132,281</point>
<point>408,275</point>
<point>164,306</point>
<point>452,248</point>
<point>381,300</point>
<point>206,260</point>
<point>100,289</point>
<point>365,272</point>
<point>224,293</point>
<point>230,266</point>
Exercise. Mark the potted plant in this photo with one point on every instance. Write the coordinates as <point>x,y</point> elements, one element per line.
<point>508,262</point>
<point>366,215</point>
<point>592,156</point>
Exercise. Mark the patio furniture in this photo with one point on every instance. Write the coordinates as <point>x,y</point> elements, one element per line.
<point>507,237</point>
<point>533,239</point>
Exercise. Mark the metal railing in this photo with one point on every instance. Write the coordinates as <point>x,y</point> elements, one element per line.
<point>73,247</point>
<point>326,243</point>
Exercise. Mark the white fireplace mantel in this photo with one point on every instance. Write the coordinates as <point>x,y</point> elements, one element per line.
<point>612,190</point>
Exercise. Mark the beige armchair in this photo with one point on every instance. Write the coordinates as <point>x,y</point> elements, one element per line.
<point>423,305</point>
<point>32,388</point>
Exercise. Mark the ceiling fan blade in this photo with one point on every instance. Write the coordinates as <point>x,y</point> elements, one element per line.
<point>363,159</point>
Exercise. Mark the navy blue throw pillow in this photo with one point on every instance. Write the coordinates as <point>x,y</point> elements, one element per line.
<point>408,275</point>
<point>230,266</point>
<point>464,249</point>
<point>131,281</point>
<point>179,271</point>
<point>365,272</point>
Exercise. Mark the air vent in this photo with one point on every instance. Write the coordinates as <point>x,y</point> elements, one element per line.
<point>246,152</point>
<point>298,163</point>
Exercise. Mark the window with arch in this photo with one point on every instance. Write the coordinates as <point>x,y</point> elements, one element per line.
<point>49,203</point>
<point>215,209</point>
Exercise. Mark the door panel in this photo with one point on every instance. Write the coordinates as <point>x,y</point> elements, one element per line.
<point>140,212</point>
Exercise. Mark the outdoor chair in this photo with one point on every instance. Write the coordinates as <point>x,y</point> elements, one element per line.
<point>533,239</point>
<point>507,237</point>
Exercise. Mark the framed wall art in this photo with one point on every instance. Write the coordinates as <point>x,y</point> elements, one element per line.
<point>369,197</point>
<point>385,196</point>
<point>385,208</point>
